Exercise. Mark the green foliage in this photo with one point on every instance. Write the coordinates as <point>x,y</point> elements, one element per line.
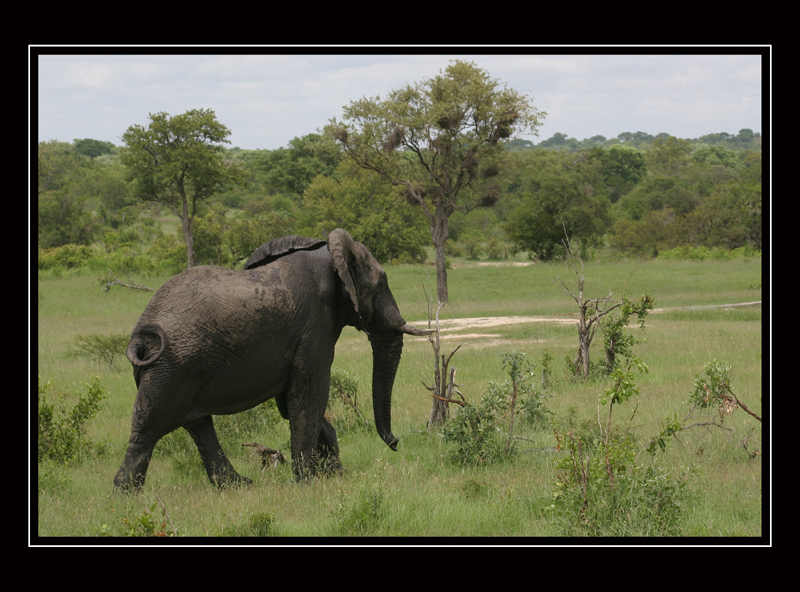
<point>260,524</point>
<point>343,410</point>
<point>712,389</point>
<point>93,148</point>
<point>616,342</point>
<point>623,385</point>
<point>364,512</point>
<point>62,431</point>
<point>100,348</point>
<point>179,162</point>
<point>622,167</point>
<point>475,430</point>
<point>147,524</point>
<point>372,211</point>
<point>563,195</point>
<point>603,490</point>
<point>700,253</point>
<point>291,170</point>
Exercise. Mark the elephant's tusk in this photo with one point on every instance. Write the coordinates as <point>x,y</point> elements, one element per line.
<point>410,330</point>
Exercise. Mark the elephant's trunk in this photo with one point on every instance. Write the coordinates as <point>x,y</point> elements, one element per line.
<point>386,350</point>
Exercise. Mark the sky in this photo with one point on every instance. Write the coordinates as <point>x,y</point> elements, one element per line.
<point>268,96</point>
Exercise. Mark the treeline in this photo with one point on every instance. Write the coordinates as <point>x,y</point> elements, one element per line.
<point>640,195</point>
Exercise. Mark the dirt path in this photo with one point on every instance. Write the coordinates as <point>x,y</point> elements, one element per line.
<point>453,325</point>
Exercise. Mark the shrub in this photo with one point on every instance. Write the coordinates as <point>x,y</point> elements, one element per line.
<point>475,430</point>
<point>343,410</point>
<point>62,432</point>
<point>260,524</point>
<point>602,489</point>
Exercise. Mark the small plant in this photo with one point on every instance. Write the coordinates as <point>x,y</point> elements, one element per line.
<point>62,432</point>
<point>712,389</point>
<point>616,342</point>
<point>603,490</point>
<point>100,348</point>
<point>364,512</point>
<point>343,410</point>
<point>260,524</point>
<point>476,429</point>
<point>147,524</point>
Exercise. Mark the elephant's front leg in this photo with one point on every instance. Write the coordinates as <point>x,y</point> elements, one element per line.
<point>314,444</point>
<point>328,448</point>
<point>220,470</point>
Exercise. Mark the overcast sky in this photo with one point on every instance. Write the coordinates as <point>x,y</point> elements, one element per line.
<point>267,100</point>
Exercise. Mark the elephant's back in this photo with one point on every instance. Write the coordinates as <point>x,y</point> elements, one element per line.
<point>208,307</point>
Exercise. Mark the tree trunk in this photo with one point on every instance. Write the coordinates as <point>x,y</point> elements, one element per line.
<point>187,237</point>
<point>186,225</point>
<point>440,233</point>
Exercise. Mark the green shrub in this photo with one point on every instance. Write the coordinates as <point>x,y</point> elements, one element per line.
<point>699,253</point>
<point>260,524</point>
<point>343,410</point>
<point>62,432</point>
<point>603,490</point>
<point>146,524</point>
<point>475,430</point>
<point>362,514</point>
<point>65,257</point>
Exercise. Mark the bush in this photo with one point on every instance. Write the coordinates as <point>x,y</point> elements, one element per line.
<point>476,430</point>
<point>62,432</point>
<point>343,410</point>
<point>602,489</point>
<point>258,525</point>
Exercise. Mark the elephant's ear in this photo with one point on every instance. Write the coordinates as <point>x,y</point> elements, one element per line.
<point>342,248</point>
<point>279,247</point>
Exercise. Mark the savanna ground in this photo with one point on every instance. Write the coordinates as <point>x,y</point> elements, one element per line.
<point>418,492</point>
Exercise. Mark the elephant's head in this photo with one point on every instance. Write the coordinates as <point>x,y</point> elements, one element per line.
<point>365,282</point>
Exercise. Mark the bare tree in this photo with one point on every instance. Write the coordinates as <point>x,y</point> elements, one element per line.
<point>591,310</point>
<point>443,386</point>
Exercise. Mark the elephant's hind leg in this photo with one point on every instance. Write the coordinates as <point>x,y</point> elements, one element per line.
<point>220,470</point>
<point>131,475</point>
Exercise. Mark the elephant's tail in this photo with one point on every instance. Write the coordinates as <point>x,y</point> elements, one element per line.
<point>146,345</point>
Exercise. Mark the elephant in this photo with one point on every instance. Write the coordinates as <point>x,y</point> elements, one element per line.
<point>215,341</point>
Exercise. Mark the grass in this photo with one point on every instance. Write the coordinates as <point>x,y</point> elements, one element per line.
<point>416,492</point>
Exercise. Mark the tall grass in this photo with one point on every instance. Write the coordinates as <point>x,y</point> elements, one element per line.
<point>417,492</point>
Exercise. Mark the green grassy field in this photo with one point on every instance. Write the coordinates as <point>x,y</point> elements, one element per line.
<point>417,491</point>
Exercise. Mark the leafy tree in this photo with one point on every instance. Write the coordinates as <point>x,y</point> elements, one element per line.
<point>715,155</point>
<point>563,194</point>
<point>441,140</point>
<point>372,211</point>
<point>559,141</point>
<point>622,168</point>
<point>93,148</point>
<point>290,170</point>
<point>179,162</point>
<point>668,156</point>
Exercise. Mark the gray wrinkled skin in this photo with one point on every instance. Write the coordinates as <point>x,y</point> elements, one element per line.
<point>214,341</point>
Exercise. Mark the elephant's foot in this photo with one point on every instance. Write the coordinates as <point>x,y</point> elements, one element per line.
<point>131,475</point>
<point>319,466</point>
<point>125,482</point>
<point>230,480</point>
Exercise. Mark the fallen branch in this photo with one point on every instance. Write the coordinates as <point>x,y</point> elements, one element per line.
<point>269,456</point>
<point>132,285</point>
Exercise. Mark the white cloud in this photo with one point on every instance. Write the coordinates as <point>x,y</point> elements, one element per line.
<point>266,100</point>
